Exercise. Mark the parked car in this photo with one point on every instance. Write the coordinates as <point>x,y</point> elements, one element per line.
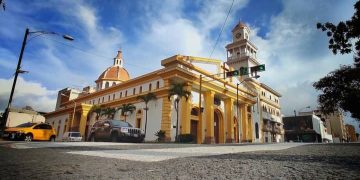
<point>72,136</point>
<point>31,131</point>
<point>116,130</point>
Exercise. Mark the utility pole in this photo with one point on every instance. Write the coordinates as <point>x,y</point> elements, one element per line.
<point>18,70</point>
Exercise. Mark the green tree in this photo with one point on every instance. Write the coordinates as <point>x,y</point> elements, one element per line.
<point>109,112</point>
<point>341,87</point>
<point>96,109</point>
<point>177,89</point>
<point>127,109</point>
<point>146,99</point>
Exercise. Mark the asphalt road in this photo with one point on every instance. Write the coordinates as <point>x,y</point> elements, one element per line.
<point>43,160</point>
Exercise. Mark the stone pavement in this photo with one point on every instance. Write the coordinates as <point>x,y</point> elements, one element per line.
<point>157,152</point>
<point>151,155</point>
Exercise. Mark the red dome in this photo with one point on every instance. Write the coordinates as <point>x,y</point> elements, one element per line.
<point>114,73</point>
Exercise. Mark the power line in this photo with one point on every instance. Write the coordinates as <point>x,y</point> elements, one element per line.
<point>93,54</point>
<point>222,29</point>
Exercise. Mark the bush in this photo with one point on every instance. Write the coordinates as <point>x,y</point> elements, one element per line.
<point>161,136</point>
<point>185,138</point>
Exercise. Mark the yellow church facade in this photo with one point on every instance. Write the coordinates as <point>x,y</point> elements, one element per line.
<point>218,110</point>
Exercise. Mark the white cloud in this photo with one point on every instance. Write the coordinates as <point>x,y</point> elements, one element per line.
<point>27,93</point>
<point>296,53</point>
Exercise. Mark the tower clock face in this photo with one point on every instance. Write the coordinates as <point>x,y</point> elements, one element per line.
<point>238,35</point>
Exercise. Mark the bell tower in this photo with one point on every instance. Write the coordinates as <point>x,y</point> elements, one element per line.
<point>241,52</point>
<point>118,60</point>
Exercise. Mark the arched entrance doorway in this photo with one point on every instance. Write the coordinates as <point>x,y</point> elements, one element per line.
<point>218,127</point>
<point>138,123</point>
<point>257,130</point>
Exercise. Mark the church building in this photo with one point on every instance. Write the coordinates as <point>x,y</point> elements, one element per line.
<point>220,109</point>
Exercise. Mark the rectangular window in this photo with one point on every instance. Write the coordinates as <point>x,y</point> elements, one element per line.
<point>134,91</point>
<point>120,94</point>
<point>125,93</point>
<point>103,99</point>
<point>109,98</point>
<point>113,96</point>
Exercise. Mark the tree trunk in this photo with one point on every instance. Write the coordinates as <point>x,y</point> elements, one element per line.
<point>177,121</point>
<point>146,110</point>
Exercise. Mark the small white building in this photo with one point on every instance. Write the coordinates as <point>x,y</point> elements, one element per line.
<point>19,116</point>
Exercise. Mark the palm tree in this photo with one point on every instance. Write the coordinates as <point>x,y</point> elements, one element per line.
<point>127,108</point>
<point>109,112</point>
<point>146,98</point>
<point>177,89</point>
<point>96,109</point>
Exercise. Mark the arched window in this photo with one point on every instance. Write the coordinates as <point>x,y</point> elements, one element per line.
<point>113,84</point>
<point>134,91</point>
<point>140,90</point>
<point>138,118</point>
<point>257,130</point>
<point>120,94</point>
<point>106,84</point>
<point>157,85</point>
<point>125,93</point>
<point>150,87</point>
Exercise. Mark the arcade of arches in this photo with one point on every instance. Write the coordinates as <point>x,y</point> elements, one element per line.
<point>221,130</point>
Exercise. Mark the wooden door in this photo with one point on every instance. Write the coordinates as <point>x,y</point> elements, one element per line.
<point>216,128</point>
<point>194,129</point>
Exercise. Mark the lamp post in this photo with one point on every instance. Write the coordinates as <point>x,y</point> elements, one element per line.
<point>18,68</point>
<point>73,115</point>
<point>237,104</point>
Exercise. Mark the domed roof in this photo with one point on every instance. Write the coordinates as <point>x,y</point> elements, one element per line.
<point>115,72</point>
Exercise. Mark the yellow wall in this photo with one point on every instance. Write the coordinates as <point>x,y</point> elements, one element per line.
<point>209,116</point>
<point>229,119</point>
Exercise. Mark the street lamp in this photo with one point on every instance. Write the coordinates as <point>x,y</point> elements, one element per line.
<point>73,115</point>
<point>237,104</point>
<point>18,70</point>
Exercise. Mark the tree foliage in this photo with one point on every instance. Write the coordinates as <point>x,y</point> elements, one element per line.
<point>341,87</point>
<point>178,90</point>
<point>97,110</point>
<point>147,98</point>
<point>127,109</point>
<point>108,112</point>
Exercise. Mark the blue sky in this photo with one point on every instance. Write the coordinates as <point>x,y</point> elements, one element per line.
<point>147,31</point>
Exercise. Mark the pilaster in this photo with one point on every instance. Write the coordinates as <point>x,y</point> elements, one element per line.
<point>244,122</point>
<point>209,116</point>
<point>83,118</point>
<point>185,112</point>
<point>166,115</point>
<point>229,120</point>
